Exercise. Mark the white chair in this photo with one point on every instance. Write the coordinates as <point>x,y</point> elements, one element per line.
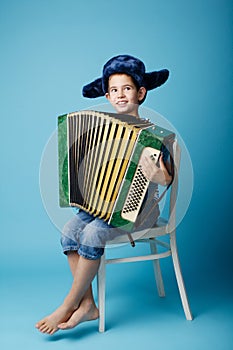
<point>163,228</point>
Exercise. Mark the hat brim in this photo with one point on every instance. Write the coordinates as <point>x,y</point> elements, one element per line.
<point>151,81</point>
<point>93,89</point>
<point>155,79</point>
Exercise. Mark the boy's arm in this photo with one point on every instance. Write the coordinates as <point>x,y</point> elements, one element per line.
<point>158,174</point>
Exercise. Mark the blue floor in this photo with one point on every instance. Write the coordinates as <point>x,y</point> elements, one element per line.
<point>136,318</point>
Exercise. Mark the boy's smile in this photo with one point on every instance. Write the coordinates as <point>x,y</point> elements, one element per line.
<point>123,94</point>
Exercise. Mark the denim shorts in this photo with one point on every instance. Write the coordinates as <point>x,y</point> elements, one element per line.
<point>87,235</point>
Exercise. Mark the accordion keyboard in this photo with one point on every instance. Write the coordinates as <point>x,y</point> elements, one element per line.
<point>138,188</point>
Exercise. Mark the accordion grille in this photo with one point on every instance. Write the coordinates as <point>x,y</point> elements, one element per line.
<point>99,152</point>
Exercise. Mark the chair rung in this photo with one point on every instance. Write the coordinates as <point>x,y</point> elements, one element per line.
<point>138,258</point>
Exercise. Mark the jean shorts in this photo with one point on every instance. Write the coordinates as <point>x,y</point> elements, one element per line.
<point>87,235</point>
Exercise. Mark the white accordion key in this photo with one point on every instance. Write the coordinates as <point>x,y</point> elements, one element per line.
<point>138,187</point>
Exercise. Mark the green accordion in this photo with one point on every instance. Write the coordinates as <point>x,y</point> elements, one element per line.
<point>99,163</point>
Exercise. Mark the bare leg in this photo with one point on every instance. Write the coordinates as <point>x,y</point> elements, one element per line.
<point>83,273</point>
<point>87,310</point>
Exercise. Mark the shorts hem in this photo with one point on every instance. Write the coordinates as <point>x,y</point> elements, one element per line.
<point>69,249</point>
<point>88,256</point>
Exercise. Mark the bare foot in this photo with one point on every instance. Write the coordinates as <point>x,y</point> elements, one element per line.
<point>49,324</point>
<point>86,312</point>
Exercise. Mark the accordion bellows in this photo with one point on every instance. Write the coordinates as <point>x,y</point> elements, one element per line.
<point>99,163</point>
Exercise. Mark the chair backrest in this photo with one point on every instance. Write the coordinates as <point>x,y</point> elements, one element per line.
<point>176,152</point>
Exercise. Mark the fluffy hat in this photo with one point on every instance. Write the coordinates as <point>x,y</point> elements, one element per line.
<point>128,65</point>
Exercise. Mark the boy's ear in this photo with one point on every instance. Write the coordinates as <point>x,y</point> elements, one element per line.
<point>107,96</point>
<point>141,93</point>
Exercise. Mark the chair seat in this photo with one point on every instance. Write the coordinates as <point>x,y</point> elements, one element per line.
<point>160,229</point>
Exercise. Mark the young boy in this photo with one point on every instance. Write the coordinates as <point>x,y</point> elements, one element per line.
<point>125,83</point>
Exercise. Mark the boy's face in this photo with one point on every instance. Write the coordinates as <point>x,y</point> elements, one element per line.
<point>123,94</point>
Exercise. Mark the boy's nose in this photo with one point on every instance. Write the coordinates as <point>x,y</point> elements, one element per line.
<point>121,93</point>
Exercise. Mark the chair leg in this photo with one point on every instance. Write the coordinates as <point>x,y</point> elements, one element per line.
<point>157,269</point>
<point>101,293</point>
<point>179,277</point>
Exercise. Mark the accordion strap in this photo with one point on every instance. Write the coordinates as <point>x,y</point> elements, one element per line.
<point>131,240</point>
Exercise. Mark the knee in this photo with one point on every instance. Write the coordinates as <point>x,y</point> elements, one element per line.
<point>93,236</point>
<point>72,228</point>
<point>65,230</point>
<point>70,238</point>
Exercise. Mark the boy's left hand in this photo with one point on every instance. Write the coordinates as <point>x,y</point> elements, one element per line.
<point>154,173</point>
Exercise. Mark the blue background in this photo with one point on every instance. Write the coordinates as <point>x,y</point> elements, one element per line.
<point>49,50</point>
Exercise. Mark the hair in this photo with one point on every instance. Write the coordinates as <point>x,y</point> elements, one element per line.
<point>135,82</point>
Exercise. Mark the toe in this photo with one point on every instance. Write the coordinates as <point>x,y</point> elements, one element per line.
<point>44,329</point>
<point>52,331</point>
<point>63,325</point>
<point>40,324</point>
<point>67,325</point>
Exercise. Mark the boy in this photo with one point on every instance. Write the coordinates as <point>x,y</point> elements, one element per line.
<point>125,83</point>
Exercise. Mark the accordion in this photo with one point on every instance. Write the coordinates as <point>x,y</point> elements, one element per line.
<point>99,163</point>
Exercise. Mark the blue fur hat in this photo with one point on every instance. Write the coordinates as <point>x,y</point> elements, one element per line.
<point>128,65</point>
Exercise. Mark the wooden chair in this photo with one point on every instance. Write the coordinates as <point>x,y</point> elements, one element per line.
<point>151,237</point>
